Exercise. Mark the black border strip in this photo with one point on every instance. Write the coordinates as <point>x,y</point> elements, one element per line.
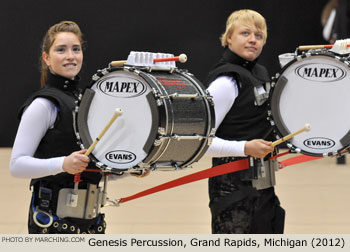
<point>281,83</point>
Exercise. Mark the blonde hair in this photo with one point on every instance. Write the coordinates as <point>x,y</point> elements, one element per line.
<point>243,17</point>
<point>49,39</point>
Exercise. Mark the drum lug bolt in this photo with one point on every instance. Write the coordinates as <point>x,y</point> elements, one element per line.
<point>157,142</point>
<point>104,71</point>
<point>159,102</point>
<point>161,131</point>
<point>95,77</point>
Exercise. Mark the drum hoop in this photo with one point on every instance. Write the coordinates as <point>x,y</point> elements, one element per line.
<point>279,86</point>
<point>84,106</point>
<point>275,100</point>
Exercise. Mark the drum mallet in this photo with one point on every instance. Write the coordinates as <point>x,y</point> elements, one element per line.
<point>73,200</point>
<point>182,58</point>
<point>307,127</point>
<point>117,63</point>
<point>310,47</point>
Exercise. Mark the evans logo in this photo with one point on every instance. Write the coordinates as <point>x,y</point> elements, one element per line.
<point>120,156</point>
<point>320,72</point>
<point>121,87</point>
<point>319,143</point>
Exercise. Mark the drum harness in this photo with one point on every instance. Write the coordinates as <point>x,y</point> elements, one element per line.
<point>86,208</point>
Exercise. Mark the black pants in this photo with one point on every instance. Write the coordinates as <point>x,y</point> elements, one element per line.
<point>260,214</point>
<point>238,208</point>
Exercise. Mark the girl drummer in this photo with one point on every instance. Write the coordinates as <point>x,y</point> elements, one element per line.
<point>45,148</point>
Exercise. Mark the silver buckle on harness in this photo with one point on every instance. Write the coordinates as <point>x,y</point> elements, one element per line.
<point>35,214</point>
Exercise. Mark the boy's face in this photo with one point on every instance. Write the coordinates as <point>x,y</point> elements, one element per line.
<point>246,41</point>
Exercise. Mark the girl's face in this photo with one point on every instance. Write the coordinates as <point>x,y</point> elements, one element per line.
<point>246,41</point>
<point>65,57</point>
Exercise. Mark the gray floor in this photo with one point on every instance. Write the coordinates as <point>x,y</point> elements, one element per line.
<point>316,196</point>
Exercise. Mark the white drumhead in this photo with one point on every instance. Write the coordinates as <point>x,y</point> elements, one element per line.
<point>314,90</point>
<point>122,145</point>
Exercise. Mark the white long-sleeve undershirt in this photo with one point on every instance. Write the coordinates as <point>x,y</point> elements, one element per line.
<point>224,91</point>
<point>36,120</point>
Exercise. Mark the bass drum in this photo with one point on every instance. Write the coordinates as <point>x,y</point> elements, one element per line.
<point>313,88</point>
<point>167,121</point>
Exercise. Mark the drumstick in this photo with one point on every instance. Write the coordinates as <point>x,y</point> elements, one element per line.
<point>307,127</point>
<point>117,63</point>
<point>182,58</point>
<point>309,47</point>
<point>117,113</point>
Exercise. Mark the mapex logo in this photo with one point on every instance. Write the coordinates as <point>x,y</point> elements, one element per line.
<point>121,87</point>
<point>320,72</point>
<point>319,143</point>
<point>120,156</point>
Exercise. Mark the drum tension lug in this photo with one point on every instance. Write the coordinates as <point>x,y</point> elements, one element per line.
<point>174,164</point>
<point>153,167</point>
<point>158,142</point>
<point>161,131</point>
